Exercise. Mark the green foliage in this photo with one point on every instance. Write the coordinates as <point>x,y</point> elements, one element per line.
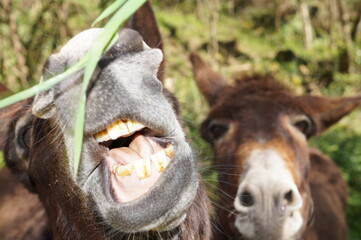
<point>2,163</point>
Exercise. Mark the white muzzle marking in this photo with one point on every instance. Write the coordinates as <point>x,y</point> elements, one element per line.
<point>267,190</point>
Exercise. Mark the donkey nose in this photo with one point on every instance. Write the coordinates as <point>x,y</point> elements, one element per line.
<point>274,195</point>
<point>246,199</point>
<point>292,200</point>
<point>267,185</point>
<point>287,198</point>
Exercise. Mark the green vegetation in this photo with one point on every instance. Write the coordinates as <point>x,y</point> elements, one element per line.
<point>2,163</point>
<point>250,36</point>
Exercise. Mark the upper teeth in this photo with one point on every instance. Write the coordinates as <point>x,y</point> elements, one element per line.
<point>143,167</point>
<point>120,128</point>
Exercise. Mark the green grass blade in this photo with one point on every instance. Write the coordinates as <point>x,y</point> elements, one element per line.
<point>101,44</point>
<point>46,85</point>
<point>78,135</point>
<point>109,11</point>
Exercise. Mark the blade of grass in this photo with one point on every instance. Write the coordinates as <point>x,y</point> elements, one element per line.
<point>46,85</point>
<point>109,11</point>
<point>110,29</point>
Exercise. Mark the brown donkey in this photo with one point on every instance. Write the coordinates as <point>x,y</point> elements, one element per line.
<point>137,176</point>
<point>271,184</point>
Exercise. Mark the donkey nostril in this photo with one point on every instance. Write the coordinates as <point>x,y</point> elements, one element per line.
<point>246,199</point>
<point>288,197</point>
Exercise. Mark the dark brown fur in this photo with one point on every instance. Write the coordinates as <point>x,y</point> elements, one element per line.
<point>329,195</point>
<point>247,105</point>
<point>196,226</point>
<point>23,216</point>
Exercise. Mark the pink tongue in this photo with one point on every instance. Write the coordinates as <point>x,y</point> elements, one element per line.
<point>140,147</point>
<point>130,188</point>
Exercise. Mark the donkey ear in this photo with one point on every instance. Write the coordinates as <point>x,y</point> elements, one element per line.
<point>209,82</point>
<point>144,22</point>
<point>327,111</point>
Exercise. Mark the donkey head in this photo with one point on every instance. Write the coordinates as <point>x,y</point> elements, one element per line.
<point>259,131</point>
<point>137,173</point>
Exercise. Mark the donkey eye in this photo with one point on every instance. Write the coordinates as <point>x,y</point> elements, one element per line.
<point>24,137</point>
<point>303,124</point>
<point>217,129</point>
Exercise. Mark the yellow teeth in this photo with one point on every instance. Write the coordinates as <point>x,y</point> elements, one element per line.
<point>160,162</point>
<point>102,136</point>
<point>143,167</point>
<point>116,130</point>
<point>147,167</point>
<point>169,151</point>
<point>123,170</point>
<point>120,128</point>
<point>134,126</point>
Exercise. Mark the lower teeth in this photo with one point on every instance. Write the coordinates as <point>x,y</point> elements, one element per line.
<point>142,167</point>
<point>123,170</point>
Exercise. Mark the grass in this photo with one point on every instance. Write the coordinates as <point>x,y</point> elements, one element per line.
<point>2,163</point>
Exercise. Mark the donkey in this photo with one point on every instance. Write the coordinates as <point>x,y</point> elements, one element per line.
<point>271,184</point>
<point>137,177</point>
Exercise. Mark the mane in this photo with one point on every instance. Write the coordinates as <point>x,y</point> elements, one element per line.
<point>259,85</point>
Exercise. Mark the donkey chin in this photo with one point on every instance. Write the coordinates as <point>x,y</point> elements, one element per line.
<point>268,202</point>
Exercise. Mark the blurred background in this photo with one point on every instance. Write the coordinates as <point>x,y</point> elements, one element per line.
<point>312,46</point>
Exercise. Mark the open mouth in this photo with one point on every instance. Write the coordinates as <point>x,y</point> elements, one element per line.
<point>136,159</point>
